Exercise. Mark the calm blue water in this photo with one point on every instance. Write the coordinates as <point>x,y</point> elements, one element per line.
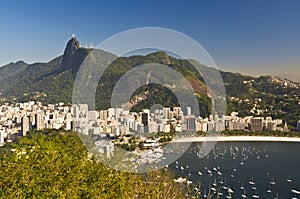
<point>241,162</point>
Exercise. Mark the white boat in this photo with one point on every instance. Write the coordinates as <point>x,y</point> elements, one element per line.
<point>214,183</point>
<point>269,189</point>
<point>180,180</point>
<point>204,195</point>
<point>230,190</point>
<point>242,187</point>
<point>255,195</point>
<point>209,172</point>
<point>244,194</point>
<point>273,182</point>
<point>242,162</point>
<point>199,173</point>
<point>219,173</point>
<point>251,182</point>
<point>225,188</point>
<point>295,191</point>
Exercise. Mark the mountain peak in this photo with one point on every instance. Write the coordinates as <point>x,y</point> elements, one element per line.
<point>72,46</point>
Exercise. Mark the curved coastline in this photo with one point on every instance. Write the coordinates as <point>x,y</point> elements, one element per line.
<point>238,139</point>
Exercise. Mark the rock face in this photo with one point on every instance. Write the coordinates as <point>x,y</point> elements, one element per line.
<point>69,54</point>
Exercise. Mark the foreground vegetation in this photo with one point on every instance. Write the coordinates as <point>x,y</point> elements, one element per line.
<point>55,164</point>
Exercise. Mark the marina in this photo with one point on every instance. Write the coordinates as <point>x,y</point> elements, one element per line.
<point>242,170</point>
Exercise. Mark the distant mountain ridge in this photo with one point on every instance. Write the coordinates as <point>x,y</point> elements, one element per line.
<point>53,82</point>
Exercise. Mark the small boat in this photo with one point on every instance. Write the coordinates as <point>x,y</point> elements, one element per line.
<point>209,172</point>
<point>225,188</point>
<point>251,182</point>
<point>242,187</point>
<point>199,173</point>
<point>255,195</point>
<point>269,189</point>
<point>244,194</point>
<point>242,162</point>
<point>182,168</point>
<point>214,183</point>
<point>295,191</point>
<point>219,173</point>
<point>180,180</point>
<point>189,182</point>
<point>229,196</point>
<point>204,195</point>
<point>272,182</point>
<point>230,190</point>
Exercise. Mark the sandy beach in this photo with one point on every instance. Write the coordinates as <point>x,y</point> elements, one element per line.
<point>238,139</point>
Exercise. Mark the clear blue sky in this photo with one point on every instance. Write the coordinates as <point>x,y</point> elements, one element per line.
<point>250,37</point>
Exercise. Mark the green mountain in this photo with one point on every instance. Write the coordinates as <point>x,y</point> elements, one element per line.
<point>53,82</point>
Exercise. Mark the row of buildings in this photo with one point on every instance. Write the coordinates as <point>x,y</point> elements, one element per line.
<point>18,119</point>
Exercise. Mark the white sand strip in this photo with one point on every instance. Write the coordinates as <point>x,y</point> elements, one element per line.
<point>238,139</point>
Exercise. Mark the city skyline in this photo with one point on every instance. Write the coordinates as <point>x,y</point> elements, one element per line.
<point>252,38</point>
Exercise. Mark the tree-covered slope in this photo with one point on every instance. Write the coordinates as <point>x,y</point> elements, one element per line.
<point>55,164</point>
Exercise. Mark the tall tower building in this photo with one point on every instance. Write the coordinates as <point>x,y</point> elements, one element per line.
<point>166,112</point>
<point>24,125</point>
<point>39,121</point>
<point>190,123</point>
<point>188,110</point>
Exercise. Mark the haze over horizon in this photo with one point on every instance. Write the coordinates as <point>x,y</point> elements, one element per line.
<point>253,38</point>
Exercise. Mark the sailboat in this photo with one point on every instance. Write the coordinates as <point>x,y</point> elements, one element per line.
<point>269,189</point>
<point>255,195</point>
<point>225,186</point>
<point>273,182</point>
<point>204,195</point>
<point>242,187</point>
<point>251,182</point>
<point>244,194</point>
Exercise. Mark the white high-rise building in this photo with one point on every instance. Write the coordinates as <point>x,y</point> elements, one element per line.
<point>24,125</point>
<point>166,112</point>
<point>188,110</point>
<point>39,121</point>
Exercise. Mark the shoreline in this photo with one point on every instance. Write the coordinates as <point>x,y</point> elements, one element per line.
<point>237,139</point>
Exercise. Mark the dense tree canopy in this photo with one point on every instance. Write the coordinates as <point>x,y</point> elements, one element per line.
<point>55,164</point>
